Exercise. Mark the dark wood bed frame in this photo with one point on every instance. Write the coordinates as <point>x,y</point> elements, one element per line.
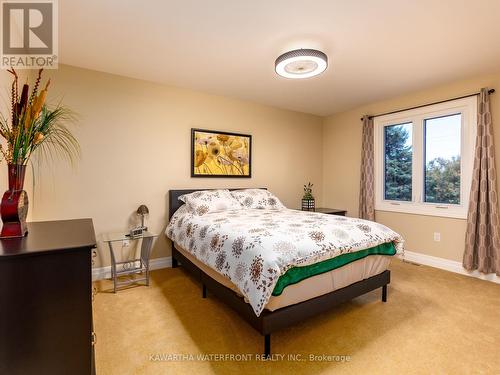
<point>271,321</point>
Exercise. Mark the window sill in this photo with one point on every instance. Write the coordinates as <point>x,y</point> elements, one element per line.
<point>455,212</point>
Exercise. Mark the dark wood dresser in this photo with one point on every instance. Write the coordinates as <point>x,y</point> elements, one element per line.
<point>46,299</point>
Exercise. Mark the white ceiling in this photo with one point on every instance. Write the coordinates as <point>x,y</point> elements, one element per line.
<point>377,48</point>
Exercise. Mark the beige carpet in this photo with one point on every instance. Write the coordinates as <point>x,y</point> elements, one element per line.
<point>435,322</point>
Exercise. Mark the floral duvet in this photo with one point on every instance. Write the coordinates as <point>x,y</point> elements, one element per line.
<point>254,247</point>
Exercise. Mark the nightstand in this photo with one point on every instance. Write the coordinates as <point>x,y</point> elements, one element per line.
<point>331,211</point>
<point>133,266</point>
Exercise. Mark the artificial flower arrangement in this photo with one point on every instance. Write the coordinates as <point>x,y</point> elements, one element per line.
<point>31,128</point>
<point>308,191</point>
<point>308,202</point>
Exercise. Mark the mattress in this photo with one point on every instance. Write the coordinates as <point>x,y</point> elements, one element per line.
<point>311,287</point>
<point>297,274</point>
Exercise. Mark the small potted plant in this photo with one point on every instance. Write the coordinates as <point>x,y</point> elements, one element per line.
<point>308,199</point>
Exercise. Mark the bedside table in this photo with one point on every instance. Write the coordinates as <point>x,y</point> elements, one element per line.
<point>133,266</point>
<point>331,211</point>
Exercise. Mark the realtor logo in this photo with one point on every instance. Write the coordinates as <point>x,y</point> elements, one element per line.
<point>29,34</point>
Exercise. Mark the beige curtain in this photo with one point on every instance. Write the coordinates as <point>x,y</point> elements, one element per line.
<point>367,182</point>
<point>482,242</point>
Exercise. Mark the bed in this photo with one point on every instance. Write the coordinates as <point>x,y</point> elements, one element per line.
<point>290,286</point>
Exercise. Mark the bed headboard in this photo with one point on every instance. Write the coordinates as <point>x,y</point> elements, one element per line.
<point>173,198</point>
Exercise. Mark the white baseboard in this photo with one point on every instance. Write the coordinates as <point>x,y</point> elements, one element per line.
<point>410,256</point>
<point>446,264</point>
<point>100,273</point>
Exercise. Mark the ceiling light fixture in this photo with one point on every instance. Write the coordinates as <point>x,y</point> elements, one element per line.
<point>301,63</point>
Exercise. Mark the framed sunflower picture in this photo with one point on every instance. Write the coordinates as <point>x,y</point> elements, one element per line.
<point>220,154</point>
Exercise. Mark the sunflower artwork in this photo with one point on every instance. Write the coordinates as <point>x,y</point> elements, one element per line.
<point>220,154</point>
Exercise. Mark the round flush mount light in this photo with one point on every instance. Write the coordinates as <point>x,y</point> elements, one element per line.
<point>301,63</point>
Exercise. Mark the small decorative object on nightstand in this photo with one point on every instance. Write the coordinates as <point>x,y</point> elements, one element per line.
<point>308,202</point>
<point>133,266</point>
<point>331,211</point>
<point>143,211</point>
<point>137,231</point>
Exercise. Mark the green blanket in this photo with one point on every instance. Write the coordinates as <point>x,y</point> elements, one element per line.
<point>297,274</point>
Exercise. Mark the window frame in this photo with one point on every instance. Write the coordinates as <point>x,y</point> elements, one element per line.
<point>467,107</point>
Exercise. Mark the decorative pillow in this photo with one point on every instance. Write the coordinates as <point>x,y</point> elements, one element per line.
<point>258,198</point>
<point>205,201</point>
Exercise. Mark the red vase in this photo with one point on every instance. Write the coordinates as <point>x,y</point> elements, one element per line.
<point>14,206</point>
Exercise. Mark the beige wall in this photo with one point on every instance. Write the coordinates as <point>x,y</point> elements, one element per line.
<point>341,164</point>
<point>135,139</point>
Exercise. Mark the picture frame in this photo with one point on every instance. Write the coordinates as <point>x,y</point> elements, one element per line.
<point>220,154</point>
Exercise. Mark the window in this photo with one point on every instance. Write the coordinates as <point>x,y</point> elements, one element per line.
<point>423,159</point>
<point>442,159</point>
<point>398,154</point>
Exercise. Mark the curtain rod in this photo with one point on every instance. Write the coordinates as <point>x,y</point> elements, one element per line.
<point>491,91</point>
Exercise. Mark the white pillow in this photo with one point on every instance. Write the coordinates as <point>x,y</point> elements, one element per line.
<point>206,201</point>
<point>258,198</point>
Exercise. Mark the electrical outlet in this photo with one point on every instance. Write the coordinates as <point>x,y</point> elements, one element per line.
<point>437,236</point>
<point>125,243</point>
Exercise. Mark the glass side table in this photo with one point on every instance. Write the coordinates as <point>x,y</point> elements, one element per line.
<point>132,266</point>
